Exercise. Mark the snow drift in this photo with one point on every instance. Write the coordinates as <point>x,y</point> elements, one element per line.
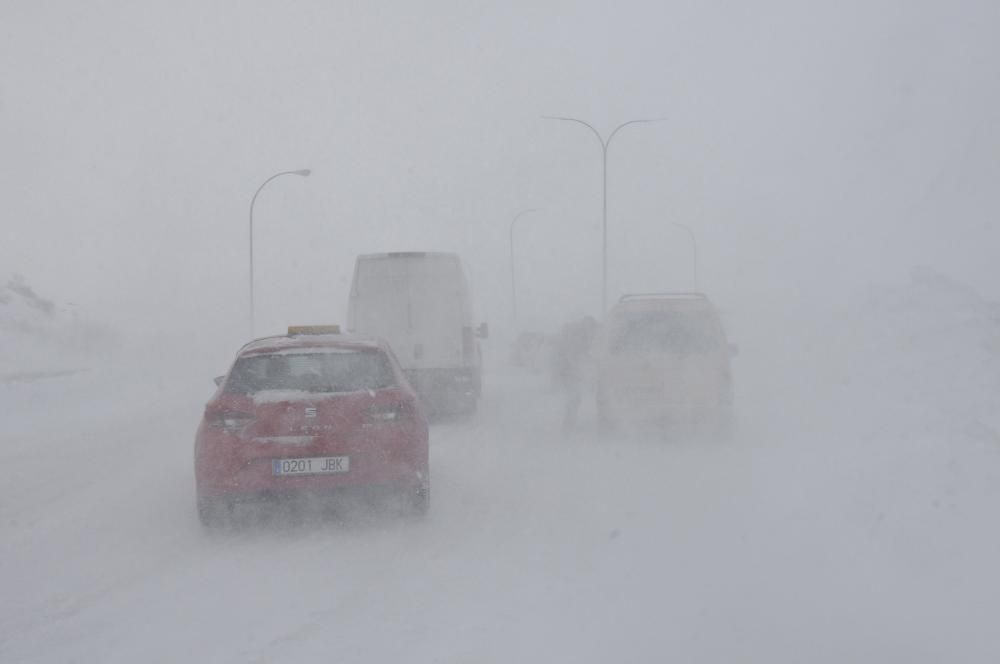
<point>39,337</point>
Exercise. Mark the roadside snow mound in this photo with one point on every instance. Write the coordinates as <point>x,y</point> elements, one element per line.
<point>39,337</point>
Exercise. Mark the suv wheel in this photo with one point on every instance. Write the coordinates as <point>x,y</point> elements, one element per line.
<point>605,416</point>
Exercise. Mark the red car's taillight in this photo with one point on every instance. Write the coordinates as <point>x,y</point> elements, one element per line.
<point>388,414</point>
<point>229,421</point>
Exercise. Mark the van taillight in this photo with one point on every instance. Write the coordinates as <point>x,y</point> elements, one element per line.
<point>468,344</point>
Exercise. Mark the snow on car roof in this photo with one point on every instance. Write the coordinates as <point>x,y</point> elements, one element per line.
<point>655,302</point>
<point>408,254</point>
<point>318,341</point>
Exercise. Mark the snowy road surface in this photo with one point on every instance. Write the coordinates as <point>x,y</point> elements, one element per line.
<point>827,531</point>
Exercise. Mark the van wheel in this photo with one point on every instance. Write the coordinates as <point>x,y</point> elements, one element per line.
<point>418,500</point>
<point>468,406</point>
<point>605,416</point>
<point>719,427</point>
<point>726,424</point>
<point>458,405</point>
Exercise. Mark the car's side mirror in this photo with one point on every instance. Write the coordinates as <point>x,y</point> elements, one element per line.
<point>219,379</point>
<point>483,331</point>
<point>734,350</point>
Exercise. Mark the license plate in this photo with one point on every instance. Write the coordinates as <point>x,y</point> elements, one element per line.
<point>310,466</point>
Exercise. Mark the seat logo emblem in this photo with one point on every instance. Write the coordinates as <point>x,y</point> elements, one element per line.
<point>310,411</point>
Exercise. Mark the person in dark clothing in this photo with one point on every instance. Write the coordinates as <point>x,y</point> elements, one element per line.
<point>570,355</point>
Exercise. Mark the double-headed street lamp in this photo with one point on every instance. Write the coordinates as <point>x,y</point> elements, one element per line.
<point>604,147</point>
<point>513,280</point>
<point>304,172</point>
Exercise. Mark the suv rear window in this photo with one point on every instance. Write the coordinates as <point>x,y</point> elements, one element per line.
<point>323,370</point>
<point>667,332</point>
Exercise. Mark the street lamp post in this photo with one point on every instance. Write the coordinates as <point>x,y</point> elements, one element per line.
<point>304,172</point>
<point>513,282</point>
<point>694,248</point>
<point>604,149</point>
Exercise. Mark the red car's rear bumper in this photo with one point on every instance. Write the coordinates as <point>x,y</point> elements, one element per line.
<point>229,465</point>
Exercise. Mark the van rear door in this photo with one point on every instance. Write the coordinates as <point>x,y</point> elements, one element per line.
<point>437,292</point>
<point>417,302</point>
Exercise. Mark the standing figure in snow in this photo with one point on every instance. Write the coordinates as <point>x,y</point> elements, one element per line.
<point>570,354</point>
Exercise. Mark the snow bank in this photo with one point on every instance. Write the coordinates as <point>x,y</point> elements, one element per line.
<point>40,338</point>
<point>926,352</point>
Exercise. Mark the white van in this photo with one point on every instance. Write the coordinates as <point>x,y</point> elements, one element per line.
<point>419,302</point>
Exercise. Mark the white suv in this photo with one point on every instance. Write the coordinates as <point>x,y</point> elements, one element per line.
<point>663,358</point>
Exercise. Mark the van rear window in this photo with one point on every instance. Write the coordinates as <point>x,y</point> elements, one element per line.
<point>667,332</point>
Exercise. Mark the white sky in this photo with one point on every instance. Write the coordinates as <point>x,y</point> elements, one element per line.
<point>813,147</point>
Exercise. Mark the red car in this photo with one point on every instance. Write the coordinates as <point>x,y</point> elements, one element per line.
<point>310,412</point>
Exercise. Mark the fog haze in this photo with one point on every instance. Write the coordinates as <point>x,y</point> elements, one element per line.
<point>819,147</point>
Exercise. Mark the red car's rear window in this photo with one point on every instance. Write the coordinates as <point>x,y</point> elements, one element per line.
<point>311,370</point>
